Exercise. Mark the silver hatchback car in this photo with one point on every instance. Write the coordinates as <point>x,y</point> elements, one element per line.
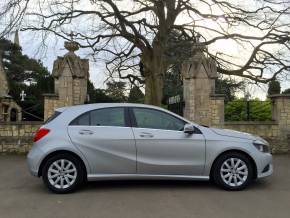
<point>134,141</point>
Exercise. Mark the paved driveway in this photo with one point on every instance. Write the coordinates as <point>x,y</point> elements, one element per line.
<point>22,195</point>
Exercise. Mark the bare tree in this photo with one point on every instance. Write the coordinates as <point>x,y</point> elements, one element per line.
<point>129,32</point>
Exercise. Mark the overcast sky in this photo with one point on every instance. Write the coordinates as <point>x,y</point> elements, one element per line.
<point>32,46</point>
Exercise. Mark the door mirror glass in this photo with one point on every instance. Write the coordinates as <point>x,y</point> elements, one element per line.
<point>188,128</point>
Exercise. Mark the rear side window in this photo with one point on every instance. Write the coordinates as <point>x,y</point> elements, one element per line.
<point>101,117</point>
<point>83,120</point>
<point>108,117</point>
<point>52,117</point>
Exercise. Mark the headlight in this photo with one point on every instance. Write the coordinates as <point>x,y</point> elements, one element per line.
<point>262,147</point>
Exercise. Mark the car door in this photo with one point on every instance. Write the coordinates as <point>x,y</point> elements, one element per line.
<point>162,146</point>
<point>107,141</point>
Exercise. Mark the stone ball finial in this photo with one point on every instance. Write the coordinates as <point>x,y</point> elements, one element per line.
<point>71,46</point>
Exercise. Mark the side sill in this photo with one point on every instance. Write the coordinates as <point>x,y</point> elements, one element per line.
<point>96,177</point>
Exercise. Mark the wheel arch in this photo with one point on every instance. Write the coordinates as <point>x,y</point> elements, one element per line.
<point>61,152</point>
<point>237,151</point>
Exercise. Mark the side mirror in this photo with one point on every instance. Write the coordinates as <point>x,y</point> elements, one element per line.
<point>188,128</point>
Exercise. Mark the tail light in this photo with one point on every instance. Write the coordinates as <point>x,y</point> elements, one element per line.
<point>40,134</point>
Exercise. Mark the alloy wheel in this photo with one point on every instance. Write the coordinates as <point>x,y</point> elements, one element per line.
<point>234,172</point>
<point>62,174</point>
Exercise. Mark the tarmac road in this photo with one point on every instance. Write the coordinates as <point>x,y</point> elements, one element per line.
<point>25,196</point>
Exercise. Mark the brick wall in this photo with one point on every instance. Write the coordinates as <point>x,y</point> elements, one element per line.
<point>277,132</point>
<point>51,102</point>
<point>16,137</point>
<point>216,110</point>
<point>268,130</point>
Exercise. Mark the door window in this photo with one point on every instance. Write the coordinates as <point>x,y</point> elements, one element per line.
<point>82,120</point>
<point>108,117</point>
<point>101,117</point>
<point>154,119</point>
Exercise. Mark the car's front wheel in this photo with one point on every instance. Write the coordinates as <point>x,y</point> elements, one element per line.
<point>63,173</point>
<point>233,171</point>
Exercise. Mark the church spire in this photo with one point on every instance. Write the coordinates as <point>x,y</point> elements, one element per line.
<point>3,80</point>
<point>16,38</point>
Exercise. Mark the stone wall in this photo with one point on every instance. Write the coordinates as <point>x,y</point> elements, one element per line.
<point>16,137</point>
<point>216,110</point>
<point>207,108</point>
<point>204,106</point>
<point>277,132</point>
<point>52,102</point>
<point>281,114</point>
<point>268,130</point>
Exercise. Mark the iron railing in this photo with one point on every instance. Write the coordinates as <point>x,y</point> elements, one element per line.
<point>253,110</point>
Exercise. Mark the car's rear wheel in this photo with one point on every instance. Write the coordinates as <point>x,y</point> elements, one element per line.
<point>233,171</point>
<point>63,173</point>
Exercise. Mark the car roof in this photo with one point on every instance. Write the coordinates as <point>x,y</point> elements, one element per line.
<point>104,105</point>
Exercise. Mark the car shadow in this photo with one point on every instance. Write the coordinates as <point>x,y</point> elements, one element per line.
<point>147,184</point>
<point>153,185</point>
<point>260,184</point>
<point>163,184</point>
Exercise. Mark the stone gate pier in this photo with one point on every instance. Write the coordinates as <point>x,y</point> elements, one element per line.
<point>70,74</point>
<point>204,106</point>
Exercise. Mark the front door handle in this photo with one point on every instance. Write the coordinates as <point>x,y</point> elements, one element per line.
<point>146,135</point>
<point>86,132</point>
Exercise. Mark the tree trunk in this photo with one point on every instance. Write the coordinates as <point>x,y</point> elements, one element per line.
<point>153,89</point>
<point>153,72</point>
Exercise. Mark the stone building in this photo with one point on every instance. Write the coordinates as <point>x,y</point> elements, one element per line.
<point>70,74</point>
<point>9,109</point>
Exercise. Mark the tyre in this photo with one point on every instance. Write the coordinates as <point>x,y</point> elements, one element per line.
<point>233,171</point>
<point>63,173</point>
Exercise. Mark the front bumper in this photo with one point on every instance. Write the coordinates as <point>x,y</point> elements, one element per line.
<point>265,167</point>
<point>267,173</point>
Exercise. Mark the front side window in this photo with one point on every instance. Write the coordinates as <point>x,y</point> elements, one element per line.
<point>154,119</point>
<point>101,117</point>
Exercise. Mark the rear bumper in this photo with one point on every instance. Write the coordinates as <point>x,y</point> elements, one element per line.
<point>34,159</point>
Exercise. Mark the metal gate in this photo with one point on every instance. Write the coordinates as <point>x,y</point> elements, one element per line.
<point>176,104</point>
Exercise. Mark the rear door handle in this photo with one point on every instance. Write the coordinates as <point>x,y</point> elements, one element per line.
<point>146,135</point>
<point>86,132</point>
